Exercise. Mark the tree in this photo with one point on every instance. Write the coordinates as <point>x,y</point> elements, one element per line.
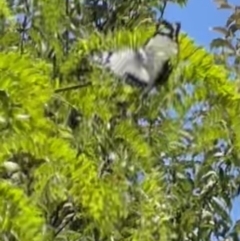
<point>90,163</point>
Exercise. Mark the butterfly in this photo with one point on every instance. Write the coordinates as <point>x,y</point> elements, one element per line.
<point>149,65</point>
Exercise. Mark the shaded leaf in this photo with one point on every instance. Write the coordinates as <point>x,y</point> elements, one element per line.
<point>221,30</point>
<point>223,4</point>
<point>218,42</point>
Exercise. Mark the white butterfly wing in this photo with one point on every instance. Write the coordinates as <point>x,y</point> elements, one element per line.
<point>126,63</point>
<point>159,49</point>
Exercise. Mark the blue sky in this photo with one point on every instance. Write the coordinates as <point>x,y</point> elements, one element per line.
<point>196,19</point>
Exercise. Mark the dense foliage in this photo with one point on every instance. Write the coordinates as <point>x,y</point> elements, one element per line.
<point>96,163</point>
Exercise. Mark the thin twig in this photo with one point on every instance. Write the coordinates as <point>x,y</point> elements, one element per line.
<point>163,9</point>
<point>22,32</point>
<point>73,87</point>
<point>67,32</point>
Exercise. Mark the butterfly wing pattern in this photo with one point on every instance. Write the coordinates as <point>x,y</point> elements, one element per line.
<point>149,65</point>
